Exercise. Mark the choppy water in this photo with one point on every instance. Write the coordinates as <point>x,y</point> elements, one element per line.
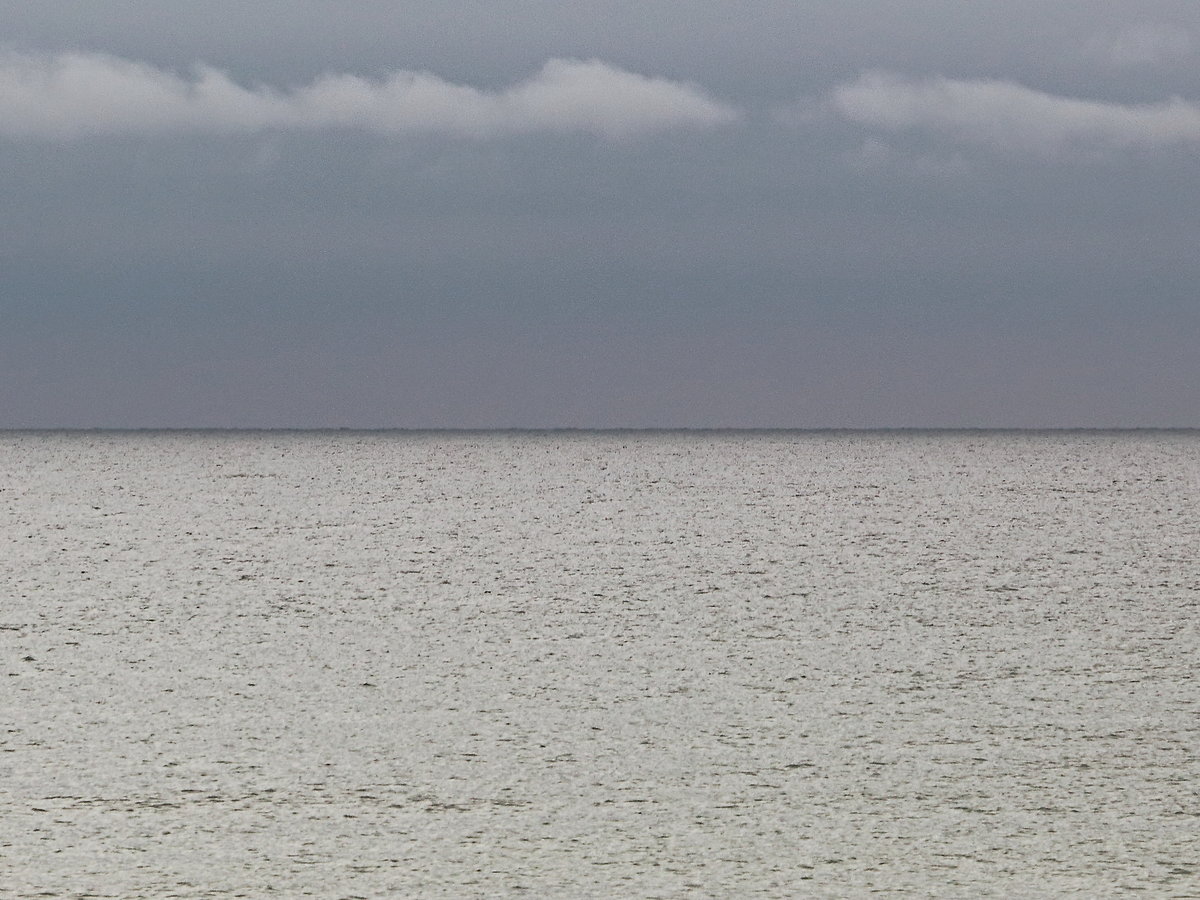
<point>627,664</point>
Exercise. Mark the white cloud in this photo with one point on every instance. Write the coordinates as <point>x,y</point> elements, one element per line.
<point>1008,116</point>
<point>1140,45</point>
<point>75,95</point>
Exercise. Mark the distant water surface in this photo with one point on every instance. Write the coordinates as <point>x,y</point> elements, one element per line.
<point>625,664</point>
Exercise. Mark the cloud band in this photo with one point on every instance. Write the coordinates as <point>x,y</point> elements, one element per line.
<point>77,95</point>
<point>1009,116</point>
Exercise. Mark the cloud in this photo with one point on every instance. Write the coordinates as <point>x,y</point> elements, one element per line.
<point>1006,116</point>
<point>76,95</point>
<point>1140,45</point>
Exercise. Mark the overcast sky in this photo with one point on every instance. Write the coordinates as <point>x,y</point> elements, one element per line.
<point>637,213</point>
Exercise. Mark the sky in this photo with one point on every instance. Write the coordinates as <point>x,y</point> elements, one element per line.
<point>626,213</point>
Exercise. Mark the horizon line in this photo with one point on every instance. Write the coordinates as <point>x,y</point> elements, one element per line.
<point>550,429</point>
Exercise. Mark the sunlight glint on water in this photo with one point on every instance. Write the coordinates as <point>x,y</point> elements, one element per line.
<point>621,664</point>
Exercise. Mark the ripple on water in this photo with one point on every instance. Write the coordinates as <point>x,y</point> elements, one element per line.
<point>628,664</point>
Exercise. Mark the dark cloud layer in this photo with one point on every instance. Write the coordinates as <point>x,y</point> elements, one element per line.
<point>914,213</point>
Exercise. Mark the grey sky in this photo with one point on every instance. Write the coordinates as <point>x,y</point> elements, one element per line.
<point>524,214</point>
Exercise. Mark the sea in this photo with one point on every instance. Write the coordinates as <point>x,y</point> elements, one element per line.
<point>640,664</point>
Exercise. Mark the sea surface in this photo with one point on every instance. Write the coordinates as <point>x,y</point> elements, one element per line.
<point>599,664</point>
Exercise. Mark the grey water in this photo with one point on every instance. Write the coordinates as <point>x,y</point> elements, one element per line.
<point>576,664</point>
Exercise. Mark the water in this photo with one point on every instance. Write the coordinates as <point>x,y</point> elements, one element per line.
<point>622,664</point>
